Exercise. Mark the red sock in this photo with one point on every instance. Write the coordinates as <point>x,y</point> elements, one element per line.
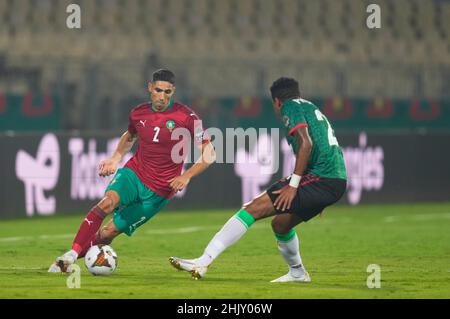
<point>90,225</point>
<point>94,240</point>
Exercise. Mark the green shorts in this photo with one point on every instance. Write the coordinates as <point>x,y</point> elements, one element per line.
<point>137,202</point>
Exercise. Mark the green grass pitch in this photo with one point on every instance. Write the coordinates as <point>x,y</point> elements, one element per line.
<point>411,244</point>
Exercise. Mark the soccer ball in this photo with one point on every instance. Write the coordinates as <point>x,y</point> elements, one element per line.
<point>101,260</point>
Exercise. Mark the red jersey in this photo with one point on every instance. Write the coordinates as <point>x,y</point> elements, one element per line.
<point>153,162</point>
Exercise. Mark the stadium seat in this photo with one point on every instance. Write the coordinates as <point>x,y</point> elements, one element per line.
<point>317,41</point>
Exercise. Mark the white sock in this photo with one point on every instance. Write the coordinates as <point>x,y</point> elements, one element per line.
<point>230,233</point>
<point>291,254</point>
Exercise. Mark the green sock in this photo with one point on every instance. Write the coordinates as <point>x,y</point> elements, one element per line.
<point>245,218</point>
<point>286,237</point>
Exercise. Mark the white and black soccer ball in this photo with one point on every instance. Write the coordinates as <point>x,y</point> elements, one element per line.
<point>101,260</point>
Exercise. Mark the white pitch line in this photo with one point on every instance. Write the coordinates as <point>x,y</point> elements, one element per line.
<point>417,217</point>
<point>9,239</point>
<point>55,236</point>
<point>182,230</point>
<point>22,268</point>
<point>193,229</point>
<point>390,219</point>
<point>31,238</point>
<point>421,217</point>
<point>179,230</point>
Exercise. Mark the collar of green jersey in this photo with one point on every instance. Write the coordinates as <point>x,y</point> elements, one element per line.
<point>286,102</point>
<point>168,106</point>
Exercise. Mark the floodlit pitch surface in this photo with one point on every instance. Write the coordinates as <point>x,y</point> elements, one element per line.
<point>410,243</point>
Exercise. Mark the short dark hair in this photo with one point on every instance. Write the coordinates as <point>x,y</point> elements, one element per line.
<point>285,89</point>
<point>163,75</point>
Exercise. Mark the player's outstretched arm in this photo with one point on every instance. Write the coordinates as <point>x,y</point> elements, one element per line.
<point>109,166</point>
<point>287,193</point>
<point>207,157</point>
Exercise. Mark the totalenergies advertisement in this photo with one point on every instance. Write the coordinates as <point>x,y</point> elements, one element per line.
<point>52,173</point>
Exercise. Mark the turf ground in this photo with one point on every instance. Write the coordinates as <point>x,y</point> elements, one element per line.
<point>411,244</point>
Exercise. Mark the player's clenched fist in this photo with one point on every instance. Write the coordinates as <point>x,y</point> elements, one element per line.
<point>107,167</point>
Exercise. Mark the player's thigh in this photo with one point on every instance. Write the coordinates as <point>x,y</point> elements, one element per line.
<point>129,218</point>
<point>317,194</point>
<point>125,184</point>
<point>314,194</point>
<point>260,207</point>
<point>273,196</point>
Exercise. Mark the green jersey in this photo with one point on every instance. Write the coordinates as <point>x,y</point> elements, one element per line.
<point>326,157</point>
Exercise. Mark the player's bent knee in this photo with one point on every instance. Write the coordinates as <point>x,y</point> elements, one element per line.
<point>280,228</point>
<point>260,207</point>
<point>252,209</point>
<point>109,202</point>
<point>255,210</point>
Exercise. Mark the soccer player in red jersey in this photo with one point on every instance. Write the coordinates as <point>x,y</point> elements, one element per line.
<point>151,177</point>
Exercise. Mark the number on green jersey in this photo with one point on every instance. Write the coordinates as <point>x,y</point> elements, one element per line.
<point>332,140</point>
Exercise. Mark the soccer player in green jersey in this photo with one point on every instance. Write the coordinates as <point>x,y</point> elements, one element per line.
<point>319,180</point>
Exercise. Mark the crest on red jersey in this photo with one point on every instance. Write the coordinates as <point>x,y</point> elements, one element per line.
<point>170,125</point>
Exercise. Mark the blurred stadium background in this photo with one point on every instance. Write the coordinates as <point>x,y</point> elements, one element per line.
<point>385,88</point>
<point>217,49</point>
